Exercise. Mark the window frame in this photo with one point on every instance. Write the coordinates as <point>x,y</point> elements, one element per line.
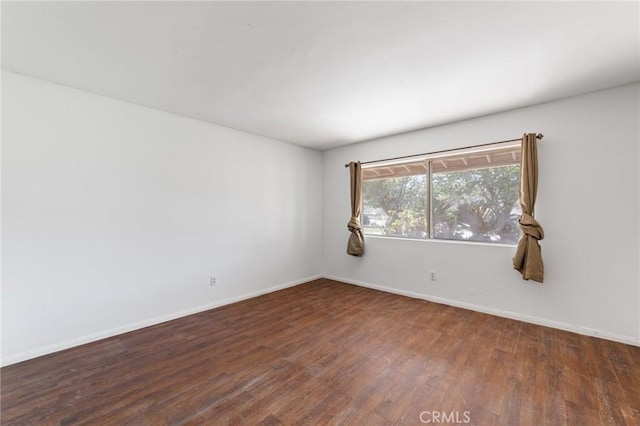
<point>428,160</point>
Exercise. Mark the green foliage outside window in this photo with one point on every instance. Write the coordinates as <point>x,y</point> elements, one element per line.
<point>474,205</point>
<point>477,204</point>
<point>403,200</point>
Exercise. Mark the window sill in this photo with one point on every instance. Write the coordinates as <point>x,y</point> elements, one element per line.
<point>435,240</point>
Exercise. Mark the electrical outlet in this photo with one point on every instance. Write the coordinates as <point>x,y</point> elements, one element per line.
<point>432,275</point>
<point>212,281</point>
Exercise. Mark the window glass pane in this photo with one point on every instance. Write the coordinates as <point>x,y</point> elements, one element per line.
<point>395,206</point>
<point>477,204</point>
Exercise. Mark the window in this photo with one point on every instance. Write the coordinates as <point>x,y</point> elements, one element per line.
<point>464,195</point>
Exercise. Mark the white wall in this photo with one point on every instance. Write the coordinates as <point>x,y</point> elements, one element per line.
<point>115,215</point>
<point>588,204</point>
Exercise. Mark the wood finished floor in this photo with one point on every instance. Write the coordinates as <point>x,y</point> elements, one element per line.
<point>330,353</point>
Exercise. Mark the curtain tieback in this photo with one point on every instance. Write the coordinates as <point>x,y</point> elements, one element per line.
<point>354,224</point>
<point>530,226</point>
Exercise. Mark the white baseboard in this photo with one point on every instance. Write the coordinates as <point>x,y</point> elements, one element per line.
<point>629,340</point>
<point>34,353</point>
<point>24,356</point>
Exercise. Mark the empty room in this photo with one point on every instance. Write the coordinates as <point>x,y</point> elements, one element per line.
<point>319,212</point>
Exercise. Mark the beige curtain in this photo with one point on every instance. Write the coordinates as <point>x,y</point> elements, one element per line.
<point>528,258</point>
<point>355,246</point>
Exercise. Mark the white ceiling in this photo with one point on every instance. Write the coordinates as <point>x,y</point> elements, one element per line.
<point>324,74</point>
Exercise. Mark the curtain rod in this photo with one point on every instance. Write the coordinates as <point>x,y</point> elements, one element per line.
<point>538,136</point>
